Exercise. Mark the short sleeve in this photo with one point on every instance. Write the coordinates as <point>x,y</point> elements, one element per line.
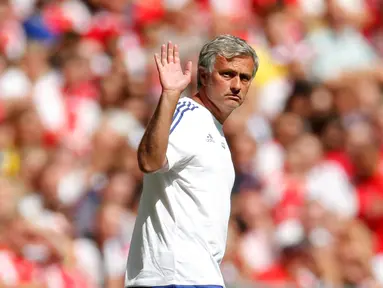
<point>177,153</point>
<point>180,146</point>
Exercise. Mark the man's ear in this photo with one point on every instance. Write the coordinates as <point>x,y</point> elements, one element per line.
<point>203,75</point>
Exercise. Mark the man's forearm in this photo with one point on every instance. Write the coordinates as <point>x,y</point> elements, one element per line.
<point>152,149</point>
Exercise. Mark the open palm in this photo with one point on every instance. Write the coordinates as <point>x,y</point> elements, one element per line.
<point>169,68</point>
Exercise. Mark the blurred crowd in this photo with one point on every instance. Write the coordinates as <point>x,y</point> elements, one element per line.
<point>78,84</point>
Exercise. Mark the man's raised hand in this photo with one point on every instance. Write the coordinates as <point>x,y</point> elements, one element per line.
<point>172,78</point>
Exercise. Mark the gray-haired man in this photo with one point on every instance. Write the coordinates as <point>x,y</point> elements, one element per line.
<point>180,232</point>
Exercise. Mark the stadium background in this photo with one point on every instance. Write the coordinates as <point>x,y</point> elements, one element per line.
<point>78,85</point>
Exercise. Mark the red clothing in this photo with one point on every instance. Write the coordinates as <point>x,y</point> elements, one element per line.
<point>275,275</point>
<point>291,200</point>
<point>57,276</point>
<point>74,97</point>
<point>261,6</point>
<point>376,18</point>
<point>369,191</point>
<point>2,111</point>
<point>80,104</point>
<point>148,12</point>
<point>12,38</point>
<point>55,18</point>
<point>85,89</point>
<point>15,270</point>
<point>341,158</point>
<point>105,26</point>
<point>279,276</point>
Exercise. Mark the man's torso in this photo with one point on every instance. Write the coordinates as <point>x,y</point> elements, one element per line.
<point>180,233</point>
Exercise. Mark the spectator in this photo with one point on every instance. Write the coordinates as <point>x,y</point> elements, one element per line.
<point>78,85</point>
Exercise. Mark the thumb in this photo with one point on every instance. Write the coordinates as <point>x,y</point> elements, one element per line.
<point>188,69</point>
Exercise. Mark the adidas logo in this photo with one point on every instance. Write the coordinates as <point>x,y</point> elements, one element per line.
<point>209,138</point>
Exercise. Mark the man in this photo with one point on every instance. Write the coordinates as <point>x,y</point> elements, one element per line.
<point>180,232</point>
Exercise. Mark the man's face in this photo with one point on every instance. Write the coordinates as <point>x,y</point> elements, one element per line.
<point>227,85</point>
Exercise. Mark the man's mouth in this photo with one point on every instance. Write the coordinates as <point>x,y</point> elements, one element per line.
<point>234,97</point>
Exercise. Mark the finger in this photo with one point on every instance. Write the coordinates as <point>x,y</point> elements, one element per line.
<point>170,52</point>
<point>164,61</point>
<point>188,69</point>
<point>158,61</point>
<point>176,54</point>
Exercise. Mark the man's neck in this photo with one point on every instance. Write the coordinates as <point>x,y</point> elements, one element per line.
<point>202,99</point>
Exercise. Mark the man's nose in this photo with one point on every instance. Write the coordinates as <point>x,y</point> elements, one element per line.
<point>235,85</point>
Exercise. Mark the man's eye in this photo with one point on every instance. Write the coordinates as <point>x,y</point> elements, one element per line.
<point>227,74</point>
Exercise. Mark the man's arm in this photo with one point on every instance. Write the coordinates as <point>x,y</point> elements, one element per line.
<point>151,152</point>
<point>152,149</point>
<point>10,107</point>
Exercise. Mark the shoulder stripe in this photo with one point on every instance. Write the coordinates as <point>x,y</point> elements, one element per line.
<point>186,106</point>
<point>179,108</point>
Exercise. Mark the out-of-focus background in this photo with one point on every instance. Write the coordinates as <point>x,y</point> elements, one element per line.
<point>77,87</point>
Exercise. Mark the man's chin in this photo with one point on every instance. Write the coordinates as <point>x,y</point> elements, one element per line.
<point>234,103</point>
<point>234,98</point>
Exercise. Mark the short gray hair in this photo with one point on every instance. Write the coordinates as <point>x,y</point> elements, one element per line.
<point>227,46</point>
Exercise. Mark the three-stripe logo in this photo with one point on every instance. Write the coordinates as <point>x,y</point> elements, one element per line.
<point>182,107</point>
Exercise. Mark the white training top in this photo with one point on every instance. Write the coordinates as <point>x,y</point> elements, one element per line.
<point>181,228</point>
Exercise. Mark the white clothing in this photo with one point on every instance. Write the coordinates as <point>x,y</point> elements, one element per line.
<point>328,184</point>
<point>49,101</point>
<point>14,84</point>
<point>181,229</point>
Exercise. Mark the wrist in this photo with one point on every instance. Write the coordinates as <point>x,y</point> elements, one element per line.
<point>172,94</point>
